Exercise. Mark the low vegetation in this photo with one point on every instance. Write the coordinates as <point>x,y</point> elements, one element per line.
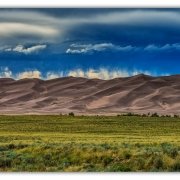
<point>89,143</point>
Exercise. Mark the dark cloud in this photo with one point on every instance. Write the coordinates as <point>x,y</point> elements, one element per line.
<point>145,39</point>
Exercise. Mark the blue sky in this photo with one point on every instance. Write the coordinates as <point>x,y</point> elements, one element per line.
<point>92,43</point>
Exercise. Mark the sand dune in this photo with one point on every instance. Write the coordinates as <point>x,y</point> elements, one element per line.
<point>139,94</point>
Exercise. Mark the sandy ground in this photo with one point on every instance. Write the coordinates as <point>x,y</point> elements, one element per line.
<point>138,94</point>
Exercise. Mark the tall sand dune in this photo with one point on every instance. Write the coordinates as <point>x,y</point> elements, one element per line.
<point>138,94</point>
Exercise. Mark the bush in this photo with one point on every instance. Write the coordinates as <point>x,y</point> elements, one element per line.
<point>105,146</point>
<point>21,146</point>
<point>158,163</point>
<point>89,167</point>
<point>169,150</point>
<point>3,148</point>
<point>127,155</point>
<point>11,146</point>
<point>130,114</point>
<point>5,163</point>
<point>107,160</point>
<point>119,168</point>
<point>140,163</point>
<point>154,115</point>
<point>176,167</point>
<point>71,114</point>
<point>173,152</point>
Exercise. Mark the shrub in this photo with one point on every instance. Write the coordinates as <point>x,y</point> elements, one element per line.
<point>176,167</point>
<point>154,115</point>
<point>47,157</point>
<point>11,146</point>
<point>71,114</point>
<point>21,146</point>
<point>107,160</point>
<point>173,152</point>
<point>5,163</point>
<point>169,150</point>
<point>130,114</point>
<point>28,159</point>
<point>127,155</point>
<point>89,167</point>
<point>158,163</point>
<point>3,148</point>
<point>140,163</point>
<point>144,115</point>
<point>105,146</point>
<point>119,168</point>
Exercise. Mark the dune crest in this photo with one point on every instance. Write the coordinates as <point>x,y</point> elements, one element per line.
<point>138,94</point>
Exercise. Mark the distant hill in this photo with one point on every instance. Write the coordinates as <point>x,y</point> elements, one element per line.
<point>138,94</point>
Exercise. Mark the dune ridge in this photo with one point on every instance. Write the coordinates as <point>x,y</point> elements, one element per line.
<point>137,94</point>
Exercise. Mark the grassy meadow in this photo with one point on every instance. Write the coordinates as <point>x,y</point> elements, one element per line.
<point>89,143</point>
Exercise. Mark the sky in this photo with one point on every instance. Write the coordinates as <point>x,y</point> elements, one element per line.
<point>93,43</point>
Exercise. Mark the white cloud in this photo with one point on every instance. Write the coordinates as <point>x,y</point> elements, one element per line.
<point>139,17</point>
<point>30,17</point>
<point>151,47</point>
<point>53,75</point>
<point>122,17</point>
<point>29,50</point>
<point>104,73</point>
<point>5,73</point>
<point>75,51</point>
<point>165,47</point>
<point>86,48</point>
<point>76,73</point>
<point>89,48</point>
<point>9,29</point>
<point>29,74</point>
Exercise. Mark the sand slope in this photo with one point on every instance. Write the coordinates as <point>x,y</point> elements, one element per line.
<point>140,94</point>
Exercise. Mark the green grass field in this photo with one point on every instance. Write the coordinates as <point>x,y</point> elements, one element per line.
<point>89,143</point>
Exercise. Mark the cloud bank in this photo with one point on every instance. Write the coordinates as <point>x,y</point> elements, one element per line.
<point>90,48</point>
<point>29,50</point>
<point>29,74</point>
<point>12,29</point>
<point>102,73</point>
<point>50,27</point>
<point>116,35</point>
<point>152,47</point>
<point>45,24</point>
